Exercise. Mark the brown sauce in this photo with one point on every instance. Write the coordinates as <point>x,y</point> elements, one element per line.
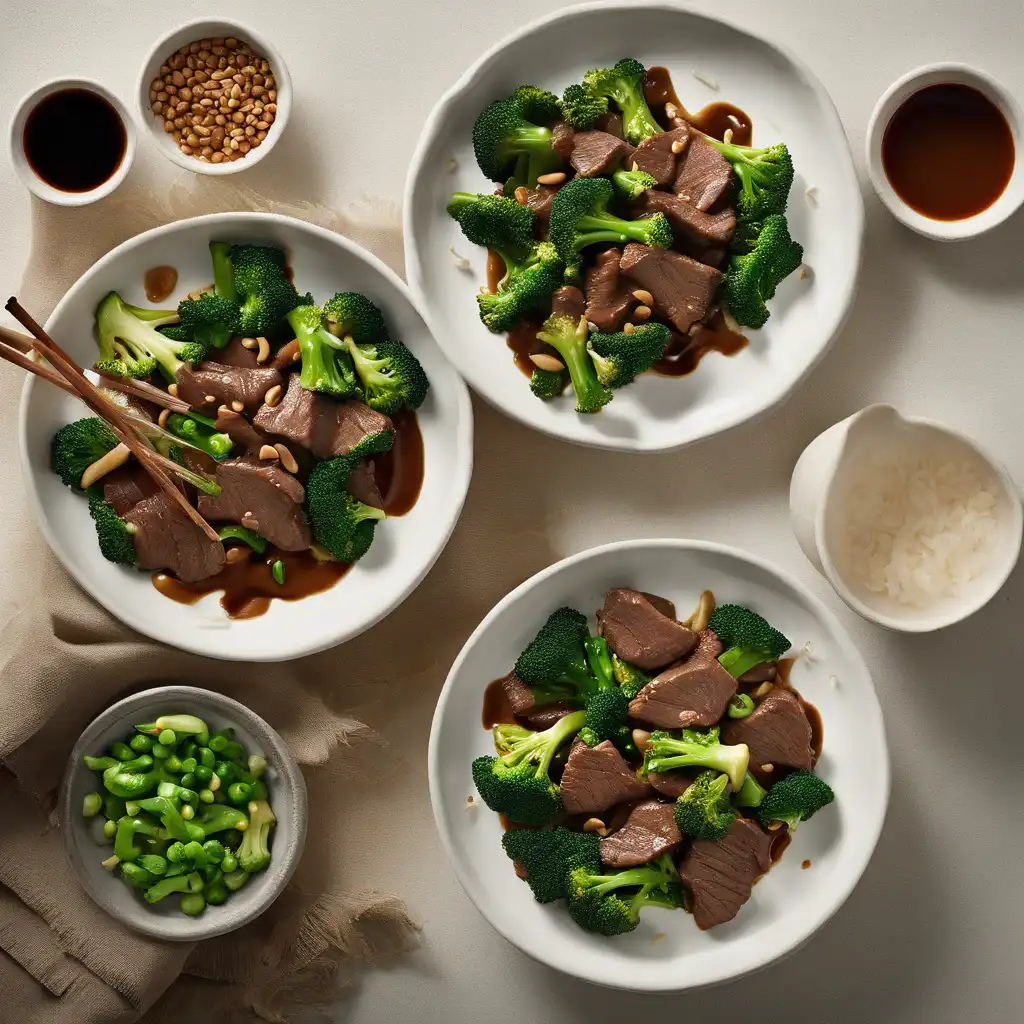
<point>249,586</point>
<point>159,283</point>
<point>399,472</point>
<point>948,152</point>
<point>684,352</point>
<point>715,119</point>
<point>495,271</point>
<point>523,342</point>
<point>74,140</point>
<point>497,710</point>
<point>805,865</point>
<point>780,840</point>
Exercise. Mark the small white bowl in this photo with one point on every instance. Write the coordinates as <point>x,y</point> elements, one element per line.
<point>191,33</point>
<point>286,790</point>
<point>894,97</point>
<point>16,145</point>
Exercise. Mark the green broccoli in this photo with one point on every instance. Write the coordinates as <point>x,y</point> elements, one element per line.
<point>349,313</point>
<point>264,291</point>
<point>623,84</point>
<point>748,639</point>
<point>794,799</point>
<point>114,534</point>
<point>580,217</point>
<point>696,748</point>
<point>611,904</point>
<point>630,679</point>
<point>506,139</point>
<point>131,346</point>
<point>547,856</point>
<point>569,339</point>
<point>549,383</point>
<point>220,818</point>
<point>342,524</point>
<point>620,357</point>
<point>703,811</point>
<point>200,432</point>
<point>209,319</point>
<point>632,184</point>
<point>517,784</point>
<point>538,105</point>
<point>750,794</point>
<point>533,269</point>
<point>191,883</point>
<point>326,366</point>
<point>391,376</point>
<point>554,663</point>
<point>130,779</point>
<point>582,109</point>
<point>76,446</point>
<point>254,853</point>
<point>752,278</point>
<point>765,177</point>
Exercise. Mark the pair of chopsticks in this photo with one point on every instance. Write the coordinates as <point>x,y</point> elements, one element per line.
<point>67,375</point>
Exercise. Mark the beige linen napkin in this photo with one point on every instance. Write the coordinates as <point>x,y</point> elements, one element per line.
<point>62,960</point>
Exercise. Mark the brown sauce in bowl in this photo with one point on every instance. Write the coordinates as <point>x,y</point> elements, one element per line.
<point>159,283</point>
<point>948,152</point>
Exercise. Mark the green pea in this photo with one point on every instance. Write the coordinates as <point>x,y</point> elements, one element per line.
<point>206,795</point>
<point>234,880</point>
<point>141,743</point>
<point>131,808</point>
<point>188,780</point>
<point>193,904</point>
<point>160,752</point>
<point>189,764</point>
<point>173,763</point>
<point>92,804</point>
<point>168,737</point>
<point>110,828</point>
<point>239,792</point>
<point>187,811</point>
<point>218,742</point>
<point>216,893</point>
<point>229,863</point>
<point>121,751</point>
<point>207,758</point>
<point>203,774</point>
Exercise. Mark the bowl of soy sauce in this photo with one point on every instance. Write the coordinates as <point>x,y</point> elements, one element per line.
<point>71,141</point>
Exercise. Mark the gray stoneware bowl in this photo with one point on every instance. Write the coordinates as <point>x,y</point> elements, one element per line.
<point>287,791</point>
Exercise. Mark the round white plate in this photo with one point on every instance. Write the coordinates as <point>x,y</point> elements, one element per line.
<point>404,548</point>
<point>789,904</point>
<point>786,102</point>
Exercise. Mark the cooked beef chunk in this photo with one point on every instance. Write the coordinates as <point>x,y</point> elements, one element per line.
<point>362,485</point>
<point>609,294</point>
<point>125,487</point>
<point>546,716</point>
<point>672,784</point>
<point>322,425</point>
<point>655,156</point>
<point>699,230</point>
<point>612,124</point>
<point>595,778</point>
<point>682,287</point>
<point>242,433</point>
<point>262,496</point>
<point>167,539</point>
<point>763,673</point>
<point>520,696</point>
<point>712,257</point>
<point>596,153</point>
<point>695,692</point>
<point>287,355</point>
<point>213,384</point>
<point>720,875</point>
<point>561,140</point>
<point>777,732</point>
<point>638,633</point>
<point>663,604</point>
<point>234,353</point>
<point>539,200</point>
<point>650,831</point>
<point>704,174</point>
<point>569,301</point>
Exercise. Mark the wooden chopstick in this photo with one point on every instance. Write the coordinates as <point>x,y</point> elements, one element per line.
<point>18,358</point>
<point>114,417</point>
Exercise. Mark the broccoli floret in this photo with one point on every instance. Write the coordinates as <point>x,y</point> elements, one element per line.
<point>326,365</point>
<point>538,105</point>
<point>130,344</point>
<point>765,177</point>
<point>354,314</point>
<point>391,376</point>
<point>507,139</point>
<point>630,679</point>
<point>549,383</point>
<point>623,84</point>
<point>633,184</point>
<point>254,852</point>
<point>495,222</point>
<point>527,290</point>
<point>76,446</point>
<point>114,534</point>
<point>579,217</point>
<point>547,856</point>
<point>620,357</point>
<point>611,904</point>
<point>696,748</point>
<point>209,319</point>
<point>264,291</point>
<point>752,278</point>
<point>794,799</point>
<point>581,108</point>
<point>554,663</point>
<point>748,639</point>
<point>569,339</point>
<point>340,523</point>
<point>750,794</point>
<point>517,784</point>
<point>703,811</point>
<point>607,714</point>
<point>200,432</point>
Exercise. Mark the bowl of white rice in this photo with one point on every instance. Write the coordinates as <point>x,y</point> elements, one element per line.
<point>914,524</point>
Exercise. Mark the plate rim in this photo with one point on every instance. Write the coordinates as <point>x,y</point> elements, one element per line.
<point>839,317</point>
<point>199,641</point>
<point>826,910</point>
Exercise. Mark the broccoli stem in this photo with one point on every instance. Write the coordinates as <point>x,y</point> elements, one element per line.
<point>610,229</point>
<point>548,742</point>
<point>223,272</point>
<point>739,660</point>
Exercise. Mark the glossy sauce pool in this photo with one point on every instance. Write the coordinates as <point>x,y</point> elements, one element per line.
<point>948,152</point>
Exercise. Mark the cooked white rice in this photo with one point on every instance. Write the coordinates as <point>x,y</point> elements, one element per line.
<point>919,529</point>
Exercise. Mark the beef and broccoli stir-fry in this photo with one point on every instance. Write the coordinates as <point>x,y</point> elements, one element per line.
<point>629,231</point>
<point>652,764</point>
<point>273,417</point>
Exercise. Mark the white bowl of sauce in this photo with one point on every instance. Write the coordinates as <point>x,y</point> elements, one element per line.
<point>941,151</point>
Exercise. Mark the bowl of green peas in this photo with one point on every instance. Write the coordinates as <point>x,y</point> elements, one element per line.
<point>183,813</point>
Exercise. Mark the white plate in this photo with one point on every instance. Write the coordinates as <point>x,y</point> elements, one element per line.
<point>404,549</point>
<point>786,102</point>
<point>789,904</point>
